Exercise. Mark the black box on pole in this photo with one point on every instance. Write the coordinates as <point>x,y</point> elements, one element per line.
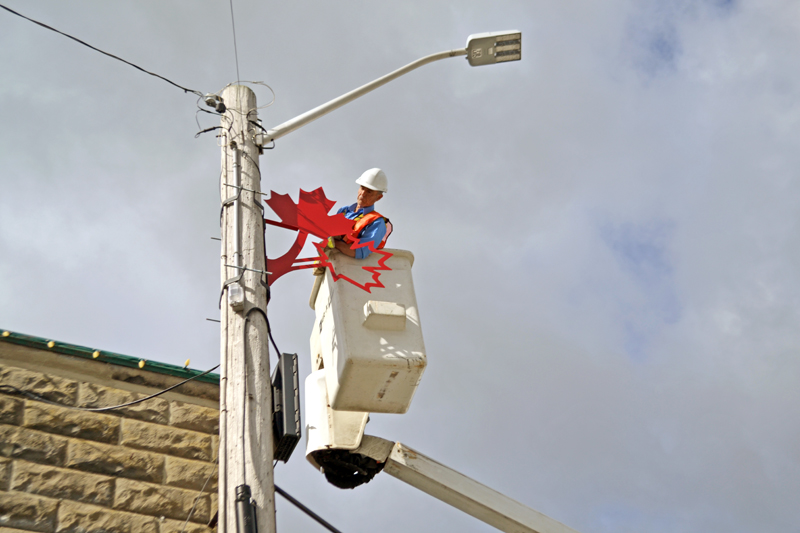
<point>286,406</point>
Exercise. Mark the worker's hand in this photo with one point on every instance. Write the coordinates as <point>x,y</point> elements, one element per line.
<point>330,243</point>
<point>345,248</point>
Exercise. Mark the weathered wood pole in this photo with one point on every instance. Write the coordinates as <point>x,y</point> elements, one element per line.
<point>246,444</point>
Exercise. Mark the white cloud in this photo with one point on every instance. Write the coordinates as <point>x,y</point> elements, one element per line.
<point>605,232</point>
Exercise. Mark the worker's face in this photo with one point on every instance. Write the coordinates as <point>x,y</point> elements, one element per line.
<point>367,197</point>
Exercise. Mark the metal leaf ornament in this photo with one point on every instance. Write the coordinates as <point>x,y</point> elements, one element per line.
<point>375,271</point>
<point>309,216</point>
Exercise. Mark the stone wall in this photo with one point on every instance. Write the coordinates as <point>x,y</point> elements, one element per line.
<point>137,469</point>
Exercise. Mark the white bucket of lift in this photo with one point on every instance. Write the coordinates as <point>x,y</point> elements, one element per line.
<point>326,428</point>
<point>369,343</point>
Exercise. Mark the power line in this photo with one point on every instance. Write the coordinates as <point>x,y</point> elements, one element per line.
<point>235,51</point>
<point>306,510</point>
<point>100,409</point>
<point>43,25</point>
<point>200,494</point>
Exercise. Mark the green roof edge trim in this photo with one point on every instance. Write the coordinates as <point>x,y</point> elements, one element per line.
<point>105,356</point>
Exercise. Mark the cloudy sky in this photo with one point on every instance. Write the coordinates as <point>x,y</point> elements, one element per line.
<point>606,238</point>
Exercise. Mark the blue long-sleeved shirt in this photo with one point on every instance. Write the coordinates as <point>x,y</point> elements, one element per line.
<point>374,232</point>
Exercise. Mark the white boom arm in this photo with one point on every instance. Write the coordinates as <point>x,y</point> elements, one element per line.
<point>458,490</point>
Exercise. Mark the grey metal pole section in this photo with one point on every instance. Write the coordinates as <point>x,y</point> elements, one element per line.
<point>246,446</point>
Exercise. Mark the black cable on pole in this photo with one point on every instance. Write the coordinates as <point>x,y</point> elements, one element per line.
<point>306,510</point>
<point>43,25</point>
<point>199,133</point>
<point>258,169</point>
<point>269,331</point>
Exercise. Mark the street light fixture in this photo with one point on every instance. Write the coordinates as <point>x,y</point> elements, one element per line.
<point>482,49</point>
<point>496,47</point>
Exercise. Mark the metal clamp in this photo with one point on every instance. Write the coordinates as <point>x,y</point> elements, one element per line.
<point>250,269</point>
<point>245,189</point>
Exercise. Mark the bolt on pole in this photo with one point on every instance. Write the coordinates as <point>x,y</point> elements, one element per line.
<point>246,442</point>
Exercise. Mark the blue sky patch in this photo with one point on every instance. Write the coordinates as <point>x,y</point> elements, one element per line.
<point>642,253</point>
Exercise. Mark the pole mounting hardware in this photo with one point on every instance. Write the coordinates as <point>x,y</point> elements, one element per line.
<point>250,269</point>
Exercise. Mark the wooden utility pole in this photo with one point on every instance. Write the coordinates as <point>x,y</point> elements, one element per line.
<point>246,443</point>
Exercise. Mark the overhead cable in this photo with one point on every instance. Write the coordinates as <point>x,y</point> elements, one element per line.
<point>99,409</point>
<point>235,51</point>
<point>306,510</point>
<point>43,25</point>
<point>200,494</point>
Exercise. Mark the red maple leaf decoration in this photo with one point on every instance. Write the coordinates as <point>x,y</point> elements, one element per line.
<point>325,262</point>
<point>310,216</point>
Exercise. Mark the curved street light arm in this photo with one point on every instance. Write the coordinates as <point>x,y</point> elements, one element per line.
<point>309,116</point>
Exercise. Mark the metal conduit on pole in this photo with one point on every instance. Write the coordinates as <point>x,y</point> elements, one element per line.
<point>237,206</point>
<point>246,443</point>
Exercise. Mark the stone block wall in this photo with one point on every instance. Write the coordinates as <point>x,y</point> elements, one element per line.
<point>140,469</point>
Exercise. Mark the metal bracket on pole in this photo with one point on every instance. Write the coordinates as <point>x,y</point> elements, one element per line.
<point>248,190</point>
<point>250,269</point>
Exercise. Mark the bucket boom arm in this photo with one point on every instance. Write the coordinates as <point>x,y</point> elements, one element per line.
<point>458,490</point>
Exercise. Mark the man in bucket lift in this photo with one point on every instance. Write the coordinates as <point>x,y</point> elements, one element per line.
<point>369,226</point>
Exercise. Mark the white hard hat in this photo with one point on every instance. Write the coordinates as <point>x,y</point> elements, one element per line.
<point>374,179</point>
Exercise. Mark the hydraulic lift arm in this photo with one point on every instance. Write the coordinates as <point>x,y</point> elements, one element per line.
<point>458,490</point>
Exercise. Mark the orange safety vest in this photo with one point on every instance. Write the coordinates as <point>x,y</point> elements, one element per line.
<point>365,220</point>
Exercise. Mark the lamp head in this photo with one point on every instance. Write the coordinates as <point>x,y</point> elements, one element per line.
<point>494,47</point>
